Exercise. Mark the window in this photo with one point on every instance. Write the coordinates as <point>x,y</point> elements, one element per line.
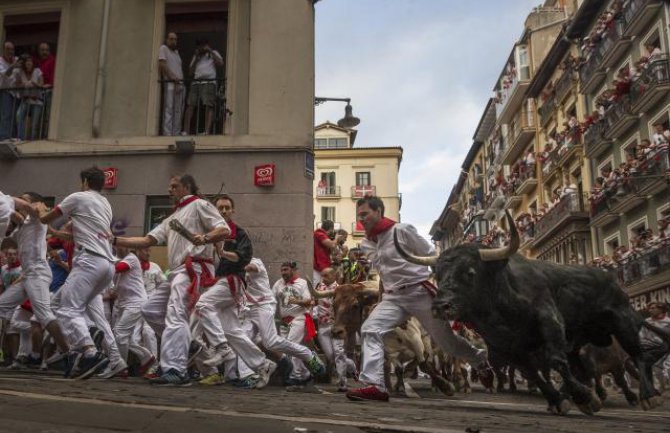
<point>196,107</point>
<point>327,213</point>
<point>363,178</point>
<point>337,143</point>
<point>320,143</point>
<point>611,244</point>
<point>523,62</point>
<point>157,209</point>
<point>328,177</point>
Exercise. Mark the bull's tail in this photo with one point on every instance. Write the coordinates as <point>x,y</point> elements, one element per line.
<point>663,334</point>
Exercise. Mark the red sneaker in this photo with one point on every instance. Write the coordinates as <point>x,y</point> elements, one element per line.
<point>144,368</point>
<point>370,392</point>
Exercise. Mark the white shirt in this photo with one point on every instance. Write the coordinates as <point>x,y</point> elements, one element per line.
<point>32,240</point>
<point>6,82</point>
<point>324,307</point>
<point>205,67</point>
<point>660,139</point>
<point>91,217</point>
<point>6,209</point>
<point>153,277</point>
<point>31,94</point>
<point>394,271</point>
<point>172,61</point>
<point>258,285</point>
<point>130,284</point>
<point>283,291</point>
<point>649,338</point>
<point>199,217</point>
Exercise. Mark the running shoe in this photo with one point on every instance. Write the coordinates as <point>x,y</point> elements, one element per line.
<point>20,363</point>
<point>90,365</point>
<point>171,378</point>
<point>71,360</point>
<point>265,373</point>
<point>212,379</point>
<point>146,366</point>
<point>116,370</point>
<point>222,353</point>
<point>315,366</point>
<point>370,392</point>
<point>249,382</point>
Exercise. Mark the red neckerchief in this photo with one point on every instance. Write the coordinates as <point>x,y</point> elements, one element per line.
<point>233,229</point>
<point>146,264</point>
<point>291,281</point>
<point>185,202</point>
<point>382,225</point>
<point>14,266</point>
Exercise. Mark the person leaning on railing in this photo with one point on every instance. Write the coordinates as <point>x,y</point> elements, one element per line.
<point>28,79</point>
<point>8,63</point>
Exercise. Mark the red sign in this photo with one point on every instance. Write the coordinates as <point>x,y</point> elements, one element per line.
<point>264,175</point>
<point>111,177</point>
<point>360,191</point>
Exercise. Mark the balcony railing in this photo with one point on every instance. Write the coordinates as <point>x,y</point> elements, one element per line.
<point>656,77</point>
<point>328,191</point>
<point>564,84</point>
<point>547,109</point>
<point>644,265</point>
<point>636,13</point>
<point>360,191</point>
<point>193,107</point>
<point>590,68</point>
<point>550,164</point>
<point>24,113</point>
<point>569,204</point>
<point>617,117</point>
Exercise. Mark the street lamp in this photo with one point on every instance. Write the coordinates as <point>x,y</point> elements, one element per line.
<point>349,120</point>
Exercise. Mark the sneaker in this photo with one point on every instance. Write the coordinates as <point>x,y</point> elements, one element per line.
<point>370,392</point>
<point>249,382</point>
<point>193,351</point>
<point>315,366</point>
<point>56,357</point>
<point>297,385</point>
<point>20,363</point>
<point>146,366</point>
<point>153,372</point>
<point>212,379</point>
<point>222,353</point>
<point>285,367</point>
<point>90,365</point>
<point>171,378</point>
<point>265,373</point>
<point>97,335</point>
<point>342,386</point>
<point>71,360</point>
<point>115,370</point>
<point>44,366</point>
<point>34,362</point>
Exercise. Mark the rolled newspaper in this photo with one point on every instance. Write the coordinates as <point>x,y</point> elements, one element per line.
<point>183,231</point>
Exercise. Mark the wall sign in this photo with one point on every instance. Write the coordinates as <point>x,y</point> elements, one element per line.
<point>264,175</point>
<point>111,177</point>
<point>659,295</point>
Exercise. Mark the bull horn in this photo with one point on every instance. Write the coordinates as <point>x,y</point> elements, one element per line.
<point>318,295</point>
<point>417,260</point>
<point>506,252</point>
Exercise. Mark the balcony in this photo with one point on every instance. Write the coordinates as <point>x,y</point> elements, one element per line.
<point>568,210</point>
<point>591,75</point>
<point>547,109</point>
<point>594,142</point>
<point>30,111</point>
<point>510,99</point>
<point>520,136</point>
<point>514,201</point>
<point>614,45</point>
<point>360,191</point>
<point>637,14</point>
<point>528,182</point>
<point>652,86</point>
<point>495,152</point>
<point>328,192</point>
<point>357,229</point>
<point>205,112</point>
<point>564,84</point>
<point>550,166</point>
<point>568,151</point>
<point>619,118</point>
<point>527,237</point>
<point>645,265</point>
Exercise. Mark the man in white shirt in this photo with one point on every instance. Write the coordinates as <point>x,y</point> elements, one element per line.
<point>203,89</point>
<point>8,102</point>
<point>191,267</point>
<point>9,212</point>
<point>36,274</point>
<point>295,301</point>
<point>406,292</point>
<point>92,271</point>
<point>172,76</point>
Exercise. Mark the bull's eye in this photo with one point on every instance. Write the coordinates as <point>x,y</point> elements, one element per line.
<point>471,273</point>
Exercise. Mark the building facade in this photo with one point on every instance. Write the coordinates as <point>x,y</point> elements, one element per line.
<point>109,107</point>
<point>589,181</point>
<point>345,173</point>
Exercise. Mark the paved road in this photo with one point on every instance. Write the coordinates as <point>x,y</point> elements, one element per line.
<point>36,402</point>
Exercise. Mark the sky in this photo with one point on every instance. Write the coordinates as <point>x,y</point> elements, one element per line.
<point>419,74</point>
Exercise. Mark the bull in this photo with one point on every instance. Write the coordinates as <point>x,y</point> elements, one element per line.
<point>536,315</point>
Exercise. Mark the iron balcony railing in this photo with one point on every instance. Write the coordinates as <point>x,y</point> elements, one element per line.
<point>564,84</point>
<point>610,38</point>
<point>631,9</point>
<point>328,191</point>
<point>24,113</point>
<point>568,204</point>
<point>547,109</point>
<point>193,107</point>
<point>656,73</point>
<point>644,265</point>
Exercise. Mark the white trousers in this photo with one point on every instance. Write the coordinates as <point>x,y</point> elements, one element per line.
<point>226,327</point>
<point>6,210</point>
<point>394,309</point>
<point>154,309</point>
<point>263,326</point>
<point>295,332</point>
<point>20,324</point>
<point>333,348</point>
<point>34,286</point>
<point>173,108</point>
<point>145,336</point>
<point>128,319</point>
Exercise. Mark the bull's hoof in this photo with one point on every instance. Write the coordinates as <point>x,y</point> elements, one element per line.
<point>593,406</point>
<point>445,386</point>
<point>651,403</point>
<point>561,409</point>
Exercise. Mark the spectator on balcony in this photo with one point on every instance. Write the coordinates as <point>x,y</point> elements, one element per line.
<point>8,103</point>
<point>172,77</point>
<point>530,163</point>
<point>46,62</point>
<point>321,187</point>
<point>661,137</point>
<point>29,79</point>
<point>203,89</point>
<point>653,52</point>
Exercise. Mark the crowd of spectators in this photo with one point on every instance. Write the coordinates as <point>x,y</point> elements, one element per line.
<point>26,81</point>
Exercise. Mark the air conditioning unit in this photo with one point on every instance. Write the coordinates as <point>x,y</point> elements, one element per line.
<point>8,150</point>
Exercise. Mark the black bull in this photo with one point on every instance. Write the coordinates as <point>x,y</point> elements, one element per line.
<point>537,314</point>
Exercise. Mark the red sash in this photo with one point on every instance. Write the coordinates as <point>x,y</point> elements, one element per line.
<point>206,278</point>
<point>310,328</point>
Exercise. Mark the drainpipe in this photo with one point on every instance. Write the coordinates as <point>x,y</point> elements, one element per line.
<point>100,78</point>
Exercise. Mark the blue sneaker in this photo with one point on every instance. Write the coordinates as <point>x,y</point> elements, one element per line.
<point>71,359</point>
<point>248,382</point>
<point>171,378</point>
<point>90,365</point>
